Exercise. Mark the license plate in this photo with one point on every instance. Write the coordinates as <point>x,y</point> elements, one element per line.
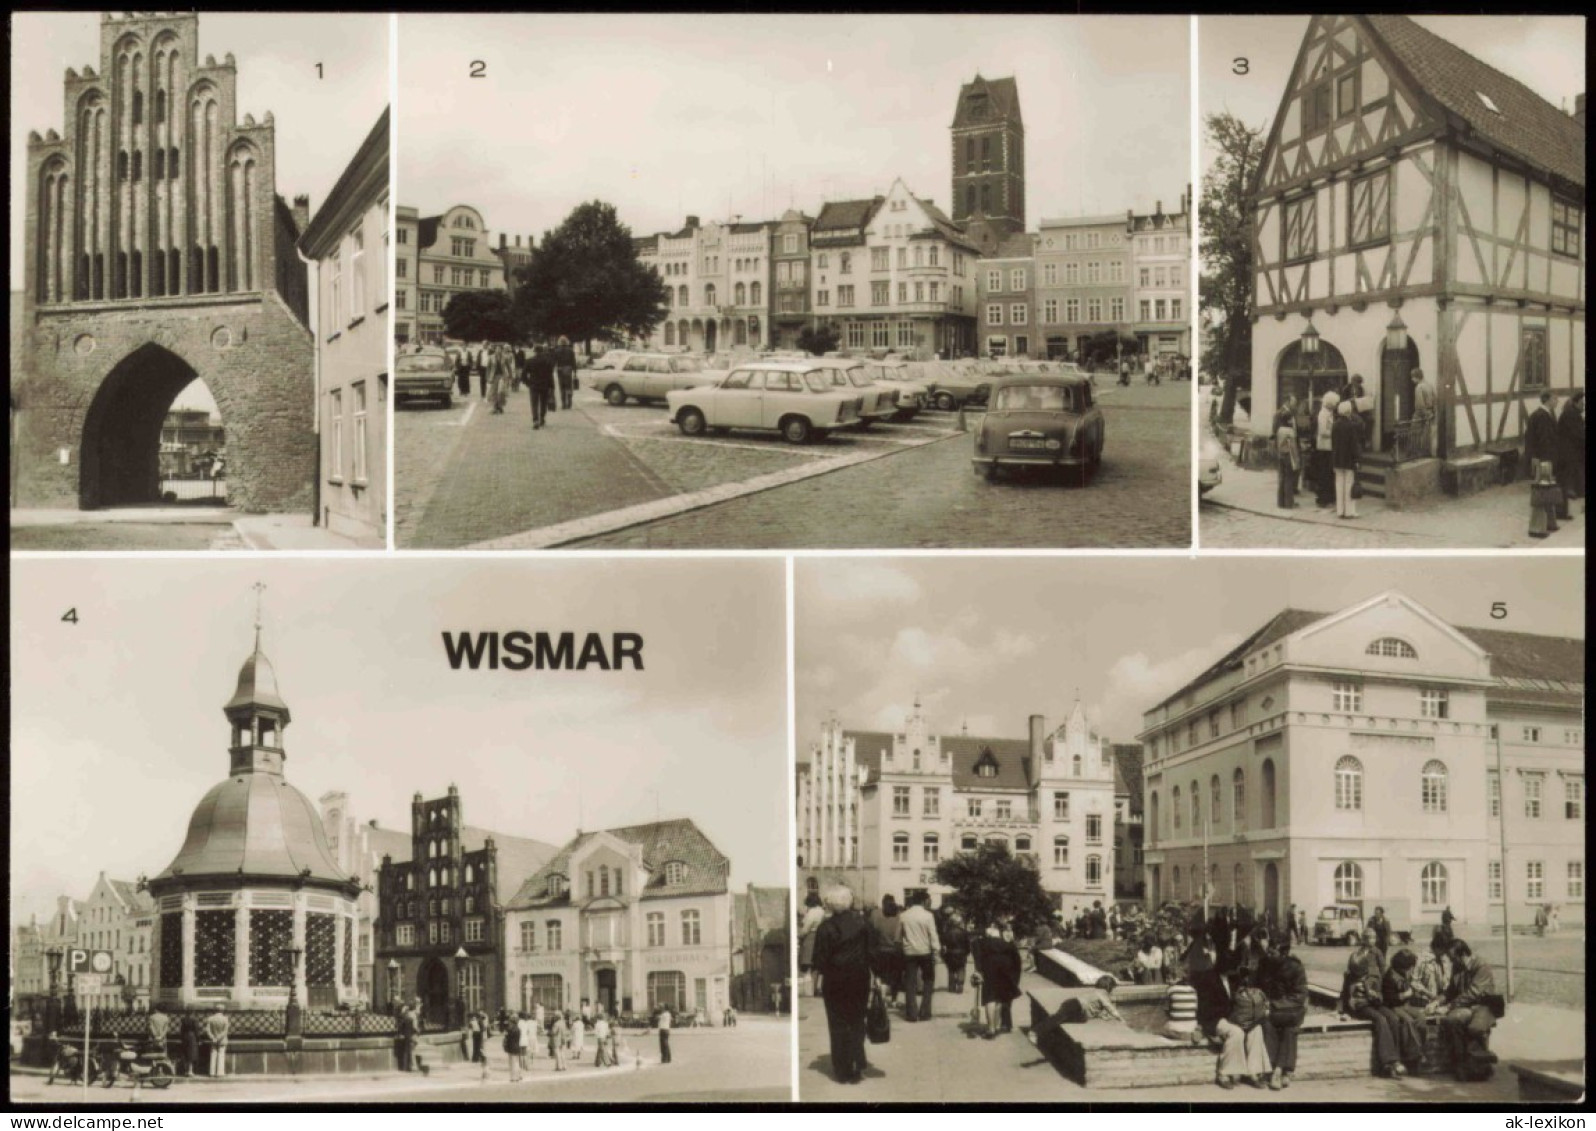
<point>1028,445</point>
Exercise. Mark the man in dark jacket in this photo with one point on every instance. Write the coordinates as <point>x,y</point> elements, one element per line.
<point>540,380</point>
<point>565,370</point>
<point>1540,447</point>
<point>843,945</point>
<point>1286,982</point>
<point>1571,448</point>
<point>955,950</point>
<point>1466,1014</point>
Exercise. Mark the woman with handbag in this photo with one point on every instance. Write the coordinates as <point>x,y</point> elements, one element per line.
<point>843,945</point>
<point>1345,446</point>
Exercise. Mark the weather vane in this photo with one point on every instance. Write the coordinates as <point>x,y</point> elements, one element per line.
<point>259,587</point>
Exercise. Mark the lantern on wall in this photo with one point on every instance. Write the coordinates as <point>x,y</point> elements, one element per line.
<point>1396,333</point>
<point>1310,342</point>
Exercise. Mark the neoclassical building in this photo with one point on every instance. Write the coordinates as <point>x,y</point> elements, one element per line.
<point>878,810</point>
<point>253,911</point>
<point>158,252</point>
<point>717,278</point>
<point>629,919</point>
<point>1354,756</point>
<point>438,257</point>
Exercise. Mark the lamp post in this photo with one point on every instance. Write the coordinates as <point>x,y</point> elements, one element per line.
<point>393,986</point>
<point>52,1009</point>
<point>292,1019</point>
<point>460,957</point>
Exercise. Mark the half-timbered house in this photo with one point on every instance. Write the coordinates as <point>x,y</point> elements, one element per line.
<point>1417,208</point>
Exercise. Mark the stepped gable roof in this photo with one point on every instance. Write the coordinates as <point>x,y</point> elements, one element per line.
<point>1528,126</point>
<point>517,857</point>
<point>137,902</point>
<point>1004,95</point>
<point>662,842</point>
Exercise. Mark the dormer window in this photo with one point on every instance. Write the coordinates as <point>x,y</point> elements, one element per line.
<point>987,767</point>
<point>675,873</point>
<point>556,886</point>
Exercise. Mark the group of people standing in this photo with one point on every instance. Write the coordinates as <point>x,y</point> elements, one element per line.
<point>190,1032</point>
<point>562,1032</point>
<point>846,954</point>
<point>1554,449</point>
<point>501,369</point>
<point>1323,448</point>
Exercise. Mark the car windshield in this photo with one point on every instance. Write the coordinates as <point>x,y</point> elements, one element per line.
<point>817,380</point>
<point>423,362</point>
<point>860,378</point>
<point>688,365</point>
<point>1034,398</point>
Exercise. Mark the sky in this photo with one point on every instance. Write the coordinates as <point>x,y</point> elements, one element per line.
<point>321,119</point>
<point>1546,53</point>
<point>670,115</point>
<point>986,642</point>
<point>118,731</point>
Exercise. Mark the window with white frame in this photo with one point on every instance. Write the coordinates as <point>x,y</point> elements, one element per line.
<point>994,314</point>
<point>335,417</point>
<point>406,935</point>
<point>1574,799</point>
<point>789,244</point>
<point>1531,734</point>
<point>1018,314</point>
<point>1061,806</point>
<point>691,928</point>
<point>1432,787</point>
<point>1050,274</point>
<point>1094,310</point>
<point>930,848</point>
<point>1493,793</point>
<point>1050,310</point>
<point>1094,828</point>
<point>1349,783</point>
<point>1348,881</point>
<point>1004,808</point>
<point>1576,880</point>
<point>1017,279</point>
<point>473,930</point>
<point>1534,788</point>
<point>529,936</point>
<point>1061,852</point>
<point>655,925</point>
<point>1094,871</point>
<point>1391,647</point>
<point>1534,880</point>
<point>1346,696</point>
<point>1433,703</point>
<point>900,848</point>
<point>1493,881</point>
<point>358,388</point>
<point>1432,885</point>
<point>994,282</point>
<point>900,801</point>
<point>933,802</point>
<point>1116,310</point>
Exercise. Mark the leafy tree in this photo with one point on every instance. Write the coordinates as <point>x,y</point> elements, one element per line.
<point>989,884</point>
<point>819,340</point>
<point>584,281</point>
<point>480,316</point>
<point>1107,346</point>
<point>1225,286</point>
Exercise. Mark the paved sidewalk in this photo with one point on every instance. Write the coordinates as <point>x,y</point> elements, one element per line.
<point>1494,518</point>
<point>141,516</point>
<point>295,532</point>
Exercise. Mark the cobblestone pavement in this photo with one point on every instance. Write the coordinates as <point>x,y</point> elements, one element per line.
<point>464,476</point>
<point>751,1063</point>
<point>928,497</point>
<point>127,536</point>
<point>940,1061</point>
<point>1225,528</point>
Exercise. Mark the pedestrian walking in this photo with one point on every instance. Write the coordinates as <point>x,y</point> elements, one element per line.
<point>1323,452</point>
<point>602,1053</point>
<point>1570,461</point>
<point>1423,415</point>
<point>999,964</point>
<point>663,1023</point>
<point>565,370</point>
<point>844,949</point>
<point>498,375</point>
<point>216,1033</point>
<point>813,916</point>
<point>540,381</point>
<point>955,950</point>
<point>1540,452</point>
<point>527,1040</point>
<point>1363,406</point>
<point>887,961</point>
<point>578,1036</point>
<point>462,373</point>
<point>1346,445</point>
<point>476,1026</point>
<point>559,1037</point>
<point>920,946</point>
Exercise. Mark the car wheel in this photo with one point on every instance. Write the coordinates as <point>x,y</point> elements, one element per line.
<point>796,430</point>
<point>615,395</point>
<point>691,421</point>
<point>947,402</point>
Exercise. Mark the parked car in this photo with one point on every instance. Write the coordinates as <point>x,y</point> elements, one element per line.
<point>912,395</point>
<point>795,398</point>
<point>953,385</point>
<point>880,398</point>
<point>612,359</point>
<point>649,376</point>
<point>1044,420</point>
<point>423,376</point>
<point>1209,473</point>
<point>1338,923</point>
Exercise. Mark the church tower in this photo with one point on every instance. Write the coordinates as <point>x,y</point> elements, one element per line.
<point>988,161</point>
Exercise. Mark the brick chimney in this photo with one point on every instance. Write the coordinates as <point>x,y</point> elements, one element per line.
<point>692,221</point>
<point>301,212</point>
<point>1038,730</point>
<point>504,241</point>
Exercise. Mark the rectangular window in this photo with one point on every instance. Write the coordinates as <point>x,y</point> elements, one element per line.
<point>1094,272</point>
<point>1346,697</point>
<point>691,935</point>
<point>359,390</point>
<point>856,335</point>
<point>1532,734</point>
<point>1094,871</point>
<point>880,334</point>
<point>1493,881</point>
<point>994,314</point>
<point>1050,310</point>
<point>1299,234</point>
<point>1116,310</point>
<point>1534,786</point>
<point>845,295</point>
<point>1574,799</point>
<point>1005,809</point>
<point>1576,879</point>
<point>1050,274</point>
<point>406,935</point>
<point>1019,314</point>
<point>1072,274</point>
<point>936,291</point>
<point>335,416</point>
<point>1433,703</point>
<point>973,807</point>
<point>1061,806</point>
<point>1493,793</point>
<point>1532,357</point>
<point>900,801</point>
<point>1094,828</point>
<point>401,268</point>
<point>822,298</point>
<point>1094,310</point>
<point>903,293</point>
<point>900,848</point>
<point>473,930</point>
<point>1369,209</point>
<point>994,282</point>
<point>1316,107</point>
<point>933,803</point>
<point>1174,309</point>
<point>1159,309</point>
<point>1567,219</point>
<point>880,293</point>
<point>1534,880</point>
<point>1017,280</point>
<point>1116,271</point>
<point>553,933</point>
<point>1146,308</point>
<point>529,936</point>
<point>432,933</point>
<point>1347,94</point>
<point>1072,310</point>
<point>879,259</point>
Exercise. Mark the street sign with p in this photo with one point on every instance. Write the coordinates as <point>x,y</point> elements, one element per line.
<point>81,960</point>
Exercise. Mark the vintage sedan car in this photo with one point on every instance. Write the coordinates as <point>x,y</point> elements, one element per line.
<point>1045,420</point>
<point>953,385</point>
<point>880,398</point>
<point>649,376</point>
<point>912,395</point>
<point>795,398</point>
<point>612,359</point>
<point>426,375</point>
